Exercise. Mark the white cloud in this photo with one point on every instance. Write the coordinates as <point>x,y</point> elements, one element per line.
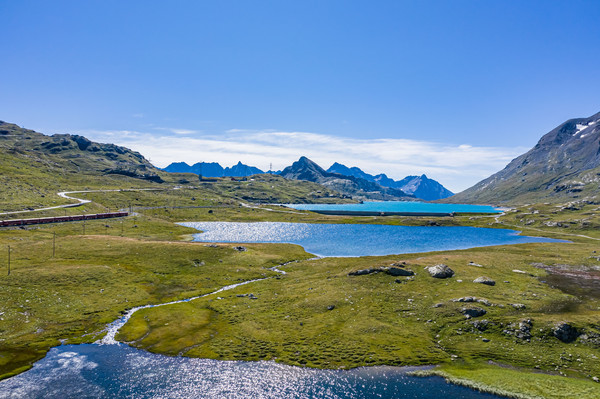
<point>455,166</point>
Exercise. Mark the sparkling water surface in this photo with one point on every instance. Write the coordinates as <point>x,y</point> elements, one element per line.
<point>359,239</point>
<point>398,206</point>
<point>119,371</point>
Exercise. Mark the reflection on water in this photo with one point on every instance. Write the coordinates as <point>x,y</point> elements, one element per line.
<point>359,239</point>
<point>119,371</point>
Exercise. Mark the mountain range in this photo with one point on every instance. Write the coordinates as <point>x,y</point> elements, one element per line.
<point>420,186</point>
<point>213,169</point>
<point>350,183</point>
<point>563,165</point>
<point>356,187</point>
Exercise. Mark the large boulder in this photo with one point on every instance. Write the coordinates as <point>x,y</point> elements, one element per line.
<point>440,271</point>
<point>473,312</point>
<point>484,280</point>
<point>396,271</point>
<point>565,332</point>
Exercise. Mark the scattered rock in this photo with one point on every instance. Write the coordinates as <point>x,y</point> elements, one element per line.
<point>330,307</point>
<point>475,264</point>
<point>485,339</point>
<point>399,264</point>
<point>240,248</point>
<point>440,271</point>
<point>438,305</point>
<point>519,271</point>
<point>518,306</point>
<point>595,379</point>
<point>484,280</point>
<point>565,332</point>
<point>473,312</point>
<point>211,245</point>
<point>521,331</point>
<point>364,272</point>
<point>480,325</point>
<point>465,299</point>
<point>395,271</point>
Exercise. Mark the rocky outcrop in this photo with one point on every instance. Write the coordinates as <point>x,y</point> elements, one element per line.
<point>473,312</point>
<point>396,271</point>
<point>440,271</point>
<point>521,330</point>
<point>364,272</point>
<point>565,332</point>
<point>392,271</point>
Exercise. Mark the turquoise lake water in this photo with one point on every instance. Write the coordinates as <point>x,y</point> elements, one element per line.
<point>358,239</point>
<point>397,206</point>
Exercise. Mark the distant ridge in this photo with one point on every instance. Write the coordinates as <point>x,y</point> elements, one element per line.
<point>213,169</point>
<point>563,165</point>
<point>420,186</point>
<point>356,187</point>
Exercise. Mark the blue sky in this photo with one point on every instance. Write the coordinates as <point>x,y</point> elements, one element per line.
<point>454,89</point>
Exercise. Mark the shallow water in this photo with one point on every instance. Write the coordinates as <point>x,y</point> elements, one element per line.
<point>398,206</point>
<point>358,239</point>
<point>119,371</point>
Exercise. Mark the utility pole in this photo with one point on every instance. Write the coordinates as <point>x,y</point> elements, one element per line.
<point>53,243</point>
<point>8,261</point>
<point>121,228</point>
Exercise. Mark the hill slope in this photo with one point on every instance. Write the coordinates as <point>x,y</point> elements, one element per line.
<point>358,188</point>
<point>34,167</point>
<point>564,165</point>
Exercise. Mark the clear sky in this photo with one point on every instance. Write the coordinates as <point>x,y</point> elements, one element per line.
<point>454,89</point>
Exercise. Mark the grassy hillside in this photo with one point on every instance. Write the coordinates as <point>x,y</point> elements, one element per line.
<point>34,167</point>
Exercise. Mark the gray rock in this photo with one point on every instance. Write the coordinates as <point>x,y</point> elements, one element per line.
<point>440,271</point>
<point>396,271</point>
<point>518,306</point>
<point>240,249</point>
<point>473,312</point>
<point>330,307</point>
<point>480,325</point>
<point>364,272</point>
<point>484,280</point>
<point>565,332</point>
<point>521,331</point>
<point>485,340</point>
<point>465,299</point>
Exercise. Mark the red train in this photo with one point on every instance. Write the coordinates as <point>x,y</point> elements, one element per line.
<point>59,219</point>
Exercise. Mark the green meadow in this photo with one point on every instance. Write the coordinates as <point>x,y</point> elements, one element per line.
<point>68,281</point>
